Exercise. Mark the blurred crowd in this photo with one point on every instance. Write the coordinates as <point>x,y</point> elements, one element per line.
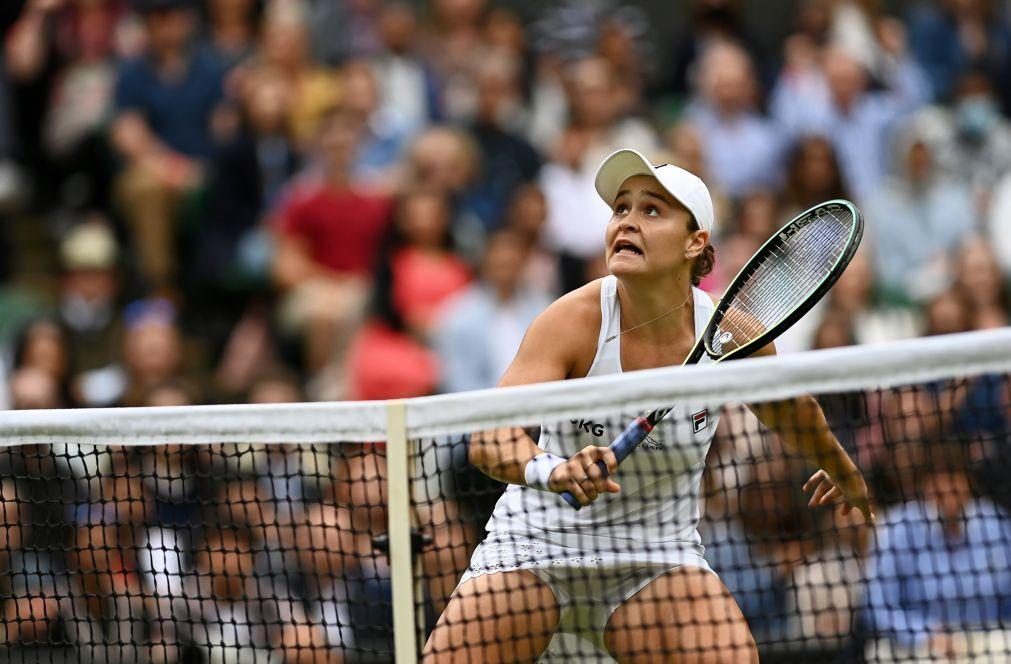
<point>225,201</point>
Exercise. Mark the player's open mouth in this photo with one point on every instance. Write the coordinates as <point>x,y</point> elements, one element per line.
<point>626,247</point>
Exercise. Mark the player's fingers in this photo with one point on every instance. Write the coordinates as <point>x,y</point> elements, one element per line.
<point>610,460</point>
<point>819,492</point>
<point>596,476</point>
<point>612,486</point>
<point>846,509</point>
<point>820,475</point>
<point>576,489</point>
<point>589,488</point>
<point>834,495</point>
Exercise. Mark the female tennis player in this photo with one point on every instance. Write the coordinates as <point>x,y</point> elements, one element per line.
<point>625,576</point>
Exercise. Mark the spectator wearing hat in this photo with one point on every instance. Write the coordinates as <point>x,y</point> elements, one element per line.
<point>89,290</point>
<point>164,103</point>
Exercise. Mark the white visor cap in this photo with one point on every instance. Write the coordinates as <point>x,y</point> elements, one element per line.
<point>685,187</point>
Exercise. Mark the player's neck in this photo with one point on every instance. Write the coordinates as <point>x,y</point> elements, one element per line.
<point>662,312</point>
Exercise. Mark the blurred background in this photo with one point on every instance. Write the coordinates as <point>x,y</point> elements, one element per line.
<point>225,201</point>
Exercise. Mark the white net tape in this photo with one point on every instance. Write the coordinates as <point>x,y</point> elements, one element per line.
<point>754,380</point>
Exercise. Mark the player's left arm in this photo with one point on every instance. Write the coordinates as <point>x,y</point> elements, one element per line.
<point>801,425</point>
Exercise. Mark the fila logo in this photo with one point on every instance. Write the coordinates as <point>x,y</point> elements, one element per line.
<point>700,420</point>
<point>589,426</point>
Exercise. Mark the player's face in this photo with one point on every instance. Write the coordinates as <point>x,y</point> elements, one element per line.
<point>649,231</point>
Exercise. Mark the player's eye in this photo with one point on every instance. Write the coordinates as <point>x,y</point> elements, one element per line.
<point>620,208</point>
<point>652,211</point>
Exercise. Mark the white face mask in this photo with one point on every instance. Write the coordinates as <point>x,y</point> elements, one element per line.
<point>976,116</point>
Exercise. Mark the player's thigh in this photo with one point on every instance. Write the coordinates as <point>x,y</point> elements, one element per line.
<point>503,617</point>
<point>686,615</point>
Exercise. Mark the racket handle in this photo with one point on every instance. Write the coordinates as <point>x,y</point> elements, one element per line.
<point>622,446</point>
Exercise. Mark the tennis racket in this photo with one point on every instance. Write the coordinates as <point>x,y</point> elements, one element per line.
<point>779,284</point>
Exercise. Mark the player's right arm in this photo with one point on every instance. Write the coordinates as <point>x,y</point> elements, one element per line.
<point>555,347</point>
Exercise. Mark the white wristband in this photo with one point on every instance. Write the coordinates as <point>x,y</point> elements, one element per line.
<point>539,469</point>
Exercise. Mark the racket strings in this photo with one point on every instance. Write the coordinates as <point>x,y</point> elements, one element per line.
<point>783,280</point>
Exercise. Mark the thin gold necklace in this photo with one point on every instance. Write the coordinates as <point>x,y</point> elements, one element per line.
<point>653,320</point>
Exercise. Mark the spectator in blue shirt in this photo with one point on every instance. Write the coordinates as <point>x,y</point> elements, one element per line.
<point>165,101</point>
<point>940,575</point>
<point>481,329</point>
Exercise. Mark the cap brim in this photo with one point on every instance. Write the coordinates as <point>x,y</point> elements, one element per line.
<point>617,168</point>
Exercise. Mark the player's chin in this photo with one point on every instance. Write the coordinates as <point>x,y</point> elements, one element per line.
<point>626,264</point>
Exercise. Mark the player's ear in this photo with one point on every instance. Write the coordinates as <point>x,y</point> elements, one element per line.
<point>696,242</point>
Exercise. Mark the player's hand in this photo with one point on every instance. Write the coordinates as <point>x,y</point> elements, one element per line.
<point>583,478</point>
<point>850,492</point>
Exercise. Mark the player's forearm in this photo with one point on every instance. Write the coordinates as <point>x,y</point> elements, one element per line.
<point>801,425</point>
<point>503,454</point>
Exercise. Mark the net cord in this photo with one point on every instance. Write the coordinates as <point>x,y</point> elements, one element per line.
<point>751,380</point>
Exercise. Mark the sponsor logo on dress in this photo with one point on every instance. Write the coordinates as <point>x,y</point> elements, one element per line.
<point>589,426</point>
<point>700,420</point>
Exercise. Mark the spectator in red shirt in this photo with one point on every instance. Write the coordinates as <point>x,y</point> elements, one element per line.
<point>328,236</point>
<point>426,273</point>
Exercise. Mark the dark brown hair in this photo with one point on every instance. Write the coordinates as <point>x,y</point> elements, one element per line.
<point>705,261</point>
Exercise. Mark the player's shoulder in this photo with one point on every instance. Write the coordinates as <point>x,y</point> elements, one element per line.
<point>570,324</point>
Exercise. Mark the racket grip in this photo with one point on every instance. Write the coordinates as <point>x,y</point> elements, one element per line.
<point>622,446</point>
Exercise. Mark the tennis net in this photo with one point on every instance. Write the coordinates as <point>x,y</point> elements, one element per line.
<point>338,532</point>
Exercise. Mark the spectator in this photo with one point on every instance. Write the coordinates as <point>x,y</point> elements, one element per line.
<point>998,223</point>
<point>710,22</point>
<point>424,272</point>
<point>152,349</point>
<point>742,149</point>
<point>480,330</point>
<point>812,175</point>
<point>383,133</point>
<point>313,89</point>
<point>916,219</point>
<point>165,100</point>
<point>979,281</point>
<point>951,36</point>
<point>89,290</point>
<point>43,345</point>
<point>105,551</point>
<point>234,613</point>
<point>526,216</point>
<point>336,551</point>
<point>447,160</point>
<point>68,51</point>
<point>406,85</point>
<point>972,140</point>
<point>507,159</point>
<point>341,31</point>
<point>328,234</point>
<point>576,218</point>
<point>826,587</point>
<point>937,577</point>
<point>231,27</point>
<point>834,99</point>
<point>453,47</point>
<point>250,169</point>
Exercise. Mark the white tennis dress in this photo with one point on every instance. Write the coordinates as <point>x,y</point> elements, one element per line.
<point>596,558</point>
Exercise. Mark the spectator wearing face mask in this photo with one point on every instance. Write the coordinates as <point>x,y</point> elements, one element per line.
<point>971,139</point>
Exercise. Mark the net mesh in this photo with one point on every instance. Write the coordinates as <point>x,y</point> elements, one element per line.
<point>185,542</point>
